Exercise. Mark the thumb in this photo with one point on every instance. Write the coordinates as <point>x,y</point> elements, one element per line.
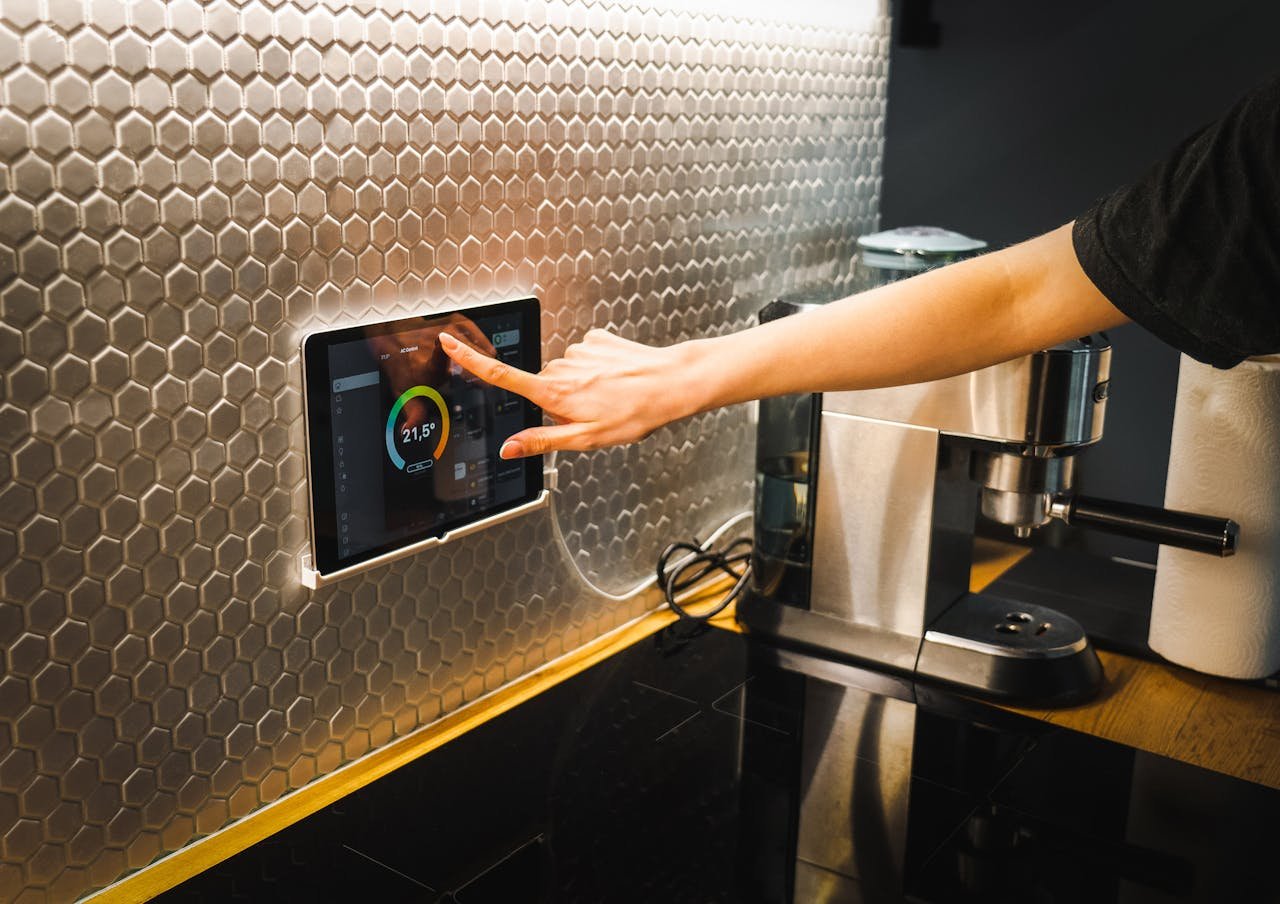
<point>537,440</point>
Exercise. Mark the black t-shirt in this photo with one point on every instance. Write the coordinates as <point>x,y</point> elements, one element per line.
<point>1191,251</point>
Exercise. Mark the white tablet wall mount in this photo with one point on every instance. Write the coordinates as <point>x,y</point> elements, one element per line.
<point>314,580</point>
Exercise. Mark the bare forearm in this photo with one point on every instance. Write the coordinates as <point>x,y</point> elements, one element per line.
<point>948,321</point>
<point>608,390</point>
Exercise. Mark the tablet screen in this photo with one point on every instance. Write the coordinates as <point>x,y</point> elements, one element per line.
<point>403,444</point>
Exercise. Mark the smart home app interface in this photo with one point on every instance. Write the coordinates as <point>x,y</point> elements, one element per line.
<point>415,438</point>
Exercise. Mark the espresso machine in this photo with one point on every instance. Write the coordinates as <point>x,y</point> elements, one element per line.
<point>866,507</point>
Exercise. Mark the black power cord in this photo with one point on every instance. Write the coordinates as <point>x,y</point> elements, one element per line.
<point>693,564</point>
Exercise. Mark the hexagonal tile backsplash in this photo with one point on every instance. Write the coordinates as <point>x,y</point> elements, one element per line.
<point>184,188</point>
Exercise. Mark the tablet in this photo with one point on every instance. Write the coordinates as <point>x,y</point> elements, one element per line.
<point>402,444</point>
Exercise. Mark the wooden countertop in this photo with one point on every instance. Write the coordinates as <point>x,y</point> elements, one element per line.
<point>1216,723</point>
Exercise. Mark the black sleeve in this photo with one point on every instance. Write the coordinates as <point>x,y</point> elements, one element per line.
<point>1191,251</point>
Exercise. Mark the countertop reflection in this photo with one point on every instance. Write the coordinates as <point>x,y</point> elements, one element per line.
<point>716,768</point>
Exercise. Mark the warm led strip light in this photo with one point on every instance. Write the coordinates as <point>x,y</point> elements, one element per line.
<point>182,864</point>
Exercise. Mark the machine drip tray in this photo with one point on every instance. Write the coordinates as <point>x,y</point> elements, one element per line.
<point>1110,598</point>
<point>1019,653</point>
<point>1013,651</point>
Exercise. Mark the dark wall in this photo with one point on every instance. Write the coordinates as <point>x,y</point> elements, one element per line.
<point>1026,112</point>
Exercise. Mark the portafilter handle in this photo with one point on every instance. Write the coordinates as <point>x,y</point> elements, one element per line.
<point>1185,530</point>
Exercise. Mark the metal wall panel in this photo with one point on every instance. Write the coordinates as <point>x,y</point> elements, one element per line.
<point>184,187</point>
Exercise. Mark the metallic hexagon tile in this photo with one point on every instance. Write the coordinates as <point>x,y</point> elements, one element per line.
<point>187,186</point>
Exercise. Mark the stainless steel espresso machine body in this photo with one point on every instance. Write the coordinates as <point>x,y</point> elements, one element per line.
<point>866,505</point>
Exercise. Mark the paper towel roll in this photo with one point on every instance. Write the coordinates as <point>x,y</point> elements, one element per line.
<point>1222,616</point>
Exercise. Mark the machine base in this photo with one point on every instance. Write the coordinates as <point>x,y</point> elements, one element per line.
<point>1012,652</point>
<point>1020,652</point>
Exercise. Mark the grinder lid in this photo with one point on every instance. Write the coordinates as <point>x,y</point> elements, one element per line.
<point>916,247</point>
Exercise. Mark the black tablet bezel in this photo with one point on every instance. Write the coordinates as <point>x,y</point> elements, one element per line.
<point>318,426</point>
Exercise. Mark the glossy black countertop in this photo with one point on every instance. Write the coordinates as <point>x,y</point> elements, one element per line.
<point>717,768</point>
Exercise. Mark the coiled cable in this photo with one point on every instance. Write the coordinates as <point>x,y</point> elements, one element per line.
<point>700,561</point>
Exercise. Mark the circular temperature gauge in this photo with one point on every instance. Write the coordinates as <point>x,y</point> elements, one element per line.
<point>430,433</point>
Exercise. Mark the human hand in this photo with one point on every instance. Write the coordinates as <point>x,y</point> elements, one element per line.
<point>605,391</point>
